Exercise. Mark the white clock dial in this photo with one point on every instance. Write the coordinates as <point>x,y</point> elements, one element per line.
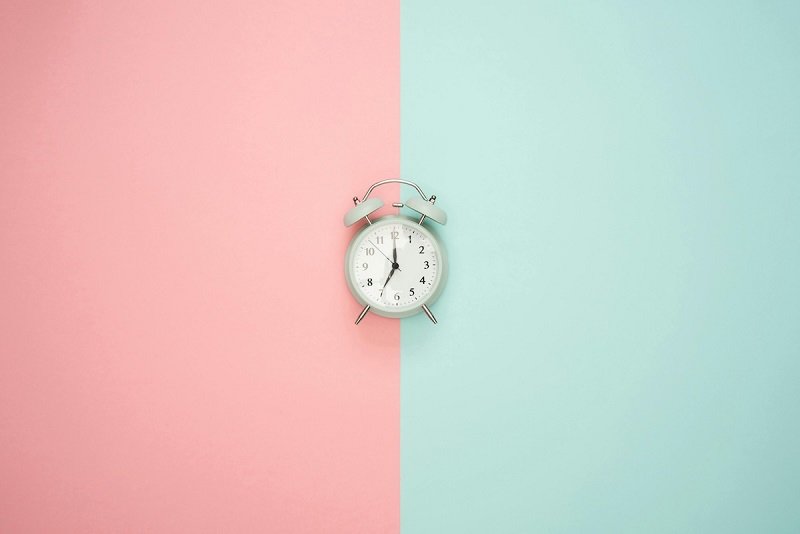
<point>395,265</point>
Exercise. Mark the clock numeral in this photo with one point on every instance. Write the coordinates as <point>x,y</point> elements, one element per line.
<point>409,238</point>
<point>422,280</point>
<point>411,292</point>
<point>395,235</point>
<point>427,265</point>
<point>371,251</point>
<point>421,249</point>
<point>364,265</point>
<point>379,239</point>
<point>369,281</point>
<point>397,296</point>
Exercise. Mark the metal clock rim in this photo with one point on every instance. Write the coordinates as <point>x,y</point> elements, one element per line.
<point>440,279</point>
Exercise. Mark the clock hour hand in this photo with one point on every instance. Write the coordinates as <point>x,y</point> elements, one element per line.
<point>387,280</point>
<point>395,266</point>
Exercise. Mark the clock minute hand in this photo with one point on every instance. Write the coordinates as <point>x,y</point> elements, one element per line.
<point>395,266</point>
<point>384,255</point>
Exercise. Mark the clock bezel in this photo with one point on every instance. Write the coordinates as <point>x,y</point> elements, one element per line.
<point>441,258</point>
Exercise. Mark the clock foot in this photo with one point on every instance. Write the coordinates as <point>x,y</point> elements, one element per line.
<point>428,313</point>
<point>364,312</point>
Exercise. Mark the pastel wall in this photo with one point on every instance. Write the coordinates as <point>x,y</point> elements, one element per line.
<point>177,348</point>
<point>618,347</point>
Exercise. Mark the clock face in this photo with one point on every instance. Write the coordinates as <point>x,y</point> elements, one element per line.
<point>395,265</point>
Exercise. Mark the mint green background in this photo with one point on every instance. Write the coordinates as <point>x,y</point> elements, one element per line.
<point>619,341</point>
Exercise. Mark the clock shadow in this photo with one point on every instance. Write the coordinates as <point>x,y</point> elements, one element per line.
<point>377,331</point>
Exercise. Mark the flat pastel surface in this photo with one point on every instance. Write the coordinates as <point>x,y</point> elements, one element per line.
<point>177,348</point>
<point>617,347</point>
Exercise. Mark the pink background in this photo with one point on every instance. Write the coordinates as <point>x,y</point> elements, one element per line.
<point>177,350</point>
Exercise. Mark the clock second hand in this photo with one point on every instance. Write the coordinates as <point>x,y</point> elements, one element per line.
<point>385,256</point>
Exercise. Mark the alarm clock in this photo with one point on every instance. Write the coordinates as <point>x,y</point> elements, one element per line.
<point>395,266</point>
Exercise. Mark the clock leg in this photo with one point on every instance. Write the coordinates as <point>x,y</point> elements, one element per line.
<point>428,313</point>
<point>364,312</point>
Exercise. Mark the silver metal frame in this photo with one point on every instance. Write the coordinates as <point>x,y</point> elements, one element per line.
<point>424,304</point>
<point>393,181</point>
<point>432,235</point>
